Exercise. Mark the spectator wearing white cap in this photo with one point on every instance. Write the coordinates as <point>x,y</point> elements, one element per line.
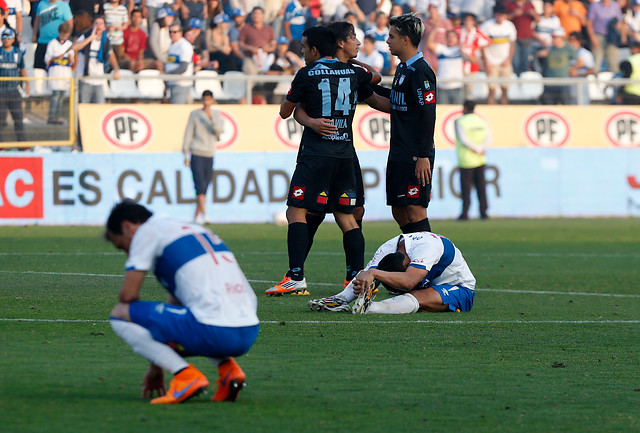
<point>159,39</point>
<point>562,62</point>
<point>438,24</point>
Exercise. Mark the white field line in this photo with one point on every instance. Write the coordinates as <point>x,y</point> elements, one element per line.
<point>531,292</point>
<point>337,253</point>
<point>378,322</point>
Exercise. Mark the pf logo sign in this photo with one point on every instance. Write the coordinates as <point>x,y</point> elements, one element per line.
<point>126,128</point>
<point>375,129</point>
<point>288,131</point>
<point>623,129</point>
<point>546,128</point>
<point>21,188</point>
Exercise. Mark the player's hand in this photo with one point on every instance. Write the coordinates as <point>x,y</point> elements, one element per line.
<point>153,382</point>
<point>423,171</point>
<point>363,280</point>
<point>324,127</point>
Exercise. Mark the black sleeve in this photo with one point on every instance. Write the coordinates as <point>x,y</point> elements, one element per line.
<point>364,92</point>
<point>425,93</point>
<point>382,91</point>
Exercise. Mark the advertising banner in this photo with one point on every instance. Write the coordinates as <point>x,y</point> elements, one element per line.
<point>155,128</point>
<point>65,188</point>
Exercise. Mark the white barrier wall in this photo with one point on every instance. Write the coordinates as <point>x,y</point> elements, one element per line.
<point>64,188</point>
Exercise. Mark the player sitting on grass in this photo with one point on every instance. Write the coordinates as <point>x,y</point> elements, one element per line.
<point>426,268</point>
<point>211,309</point>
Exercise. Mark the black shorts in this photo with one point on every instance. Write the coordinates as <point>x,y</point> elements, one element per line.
<point>202,171</point>
<point>403,188</point>
<point>320,183</point>
<point>359,183</point>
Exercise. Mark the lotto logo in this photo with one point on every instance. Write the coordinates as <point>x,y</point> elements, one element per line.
<point>429,97</point>
<point>21,188</point>
<point>413,191</point>
<point>298,192</point>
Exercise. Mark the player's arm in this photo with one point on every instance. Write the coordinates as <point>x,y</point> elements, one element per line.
<point>286,108</point>
<point>379,103</point>
<point>131,285</point>
<point>402,281</point>
<point>322,126</point>
<point>296,94</point>
<point>427,123</point>
<point>375,76</point>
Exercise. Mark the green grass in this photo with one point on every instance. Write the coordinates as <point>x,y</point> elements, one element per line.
<point>550,346</point>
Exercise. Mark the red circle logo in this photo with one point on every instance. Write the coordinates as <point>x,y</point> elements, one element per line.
<point>374,128</point>
<point>230,134</point>
<point>547,128</point>
<point>622,128</point>
<point>126,128</point>
<point>288,131</point>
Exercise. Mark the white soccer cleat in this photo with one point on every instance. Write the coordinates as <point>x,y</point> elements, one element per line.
<point>332,303</point>
<point>364,300</point>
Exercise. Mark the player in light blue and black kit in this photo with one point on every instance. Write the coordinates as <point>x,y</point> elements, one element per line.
<point>12,66</point>
<point>324,174</point>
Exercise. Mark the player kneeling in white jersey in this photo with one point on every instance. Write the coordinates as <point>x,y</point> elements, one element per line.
<point>211,309</point>
<point>426,268</point>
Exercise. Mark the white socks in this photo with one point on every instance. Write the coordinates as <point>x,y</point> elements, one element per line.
<point>402,304</point>
<point>142,343</point>
<point>347,294</point>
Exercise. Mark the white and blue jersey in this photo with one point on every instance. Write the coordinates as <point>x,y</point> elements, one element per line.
<point>197,268</point>
<point>180,52</point>
<point>433,253</point>
<point>296,15</point>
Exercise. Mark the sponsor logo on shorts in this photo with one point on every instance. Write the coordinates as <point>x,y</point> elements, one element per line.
<point>429,97</point>
<point>322,198</point>
<point>413,191</point>
<point>298,192</point>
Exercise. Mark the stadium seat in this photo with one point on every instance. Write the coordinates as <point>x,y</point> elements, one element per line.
<point>125,87</point>
<point>480,90</point>
<point>150,88</point>
<point>208,80</point>
<point>604,77</point>
<point>515,91</point>
<point>596,93</point>
<point>235,90</point>
<point>38,88</point>
<point>531,91</point>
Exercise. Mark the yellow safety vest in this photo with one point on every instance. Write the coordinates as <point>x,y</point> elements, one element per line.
<point>634,89</point>
<point>476,130</point>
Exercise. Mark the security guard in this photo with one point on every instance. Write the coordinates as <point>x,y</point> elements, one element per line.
<point>12,66</point>
<point>630,68</point>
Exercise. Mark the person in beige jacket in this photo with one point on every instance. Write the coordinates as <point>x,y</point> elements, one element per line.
<point>204,127</point>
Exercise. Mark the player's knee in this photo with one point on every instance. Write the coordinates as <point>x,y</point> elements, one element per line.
<point>121,311</point>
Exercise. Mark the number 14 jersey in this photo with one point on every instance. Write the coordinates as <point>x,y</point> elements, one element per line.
<point>328,89</point>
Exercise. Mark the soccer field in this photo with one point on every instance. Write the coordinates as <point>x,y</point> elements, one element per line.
<point>551,345</point>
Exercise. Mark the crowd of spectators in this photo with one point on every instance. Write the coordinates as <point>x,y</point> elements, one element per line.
<point>557,38</point>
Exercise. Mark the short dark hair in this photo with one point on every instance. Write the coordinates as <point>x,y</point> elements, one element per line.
<point>207,93</point>
<point>342,30</point>
<point>469,105</point>
<point>393,262</point>
<point>409,25</point>
<point>127,210</point>
<point>136,10</point>
<point>323,39</point>
<point>370,38</point>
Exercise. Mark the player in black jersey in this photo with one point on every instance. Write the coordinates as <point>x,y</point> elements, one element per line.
<point>413,118</point>
<point>324,173</point>
<point>347,50</point>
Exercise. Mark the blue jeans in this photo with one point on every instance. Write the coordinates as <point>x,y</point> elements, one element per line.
<point>91,94</point>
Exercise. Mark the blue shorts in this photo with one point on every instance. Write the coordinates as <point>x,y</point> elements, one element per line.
<point>175,325</point>
<point>459,298</point>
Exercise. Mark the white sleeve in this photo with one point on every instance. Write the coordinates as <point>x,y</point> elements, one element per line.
<point>391,246</point>
<point>143,250</point>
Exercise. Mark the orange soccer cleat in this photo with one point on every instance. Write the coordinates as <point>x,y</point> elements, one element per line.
<point>187,383</point>
<point>230,381</point>
<point>288,286</point>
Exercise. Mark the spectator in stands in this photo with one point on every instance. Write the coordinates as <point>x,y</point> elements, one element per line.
<point>213,9</point>
<point>368,8</point>
<point>197,9</point>
<point>13,17</point>
<point>600,25</point>
<point>92,7</point>
<point>630,68</point>
<point>60,60</point>
<point>239,22</point>
<point>135,44</point>
<point>11,66</point>
<point>587,68</point>
<point>193,34</point>
<point>633,22</point>
<point>439,25</point>
<point>282,62</point>
<point>572,15</point>
<point>154,7</point>
<point>547,24</point>
<point>221,56</point>
<point>117,18</point>
<point>381,33</point>
<point>369,55</point>
<point>256,41</point>
<point>450,68</point>
<point>95,56</point>
<point>352,18</point>
<point>49,16</point>
<point>159,38</point>
<point>297,17</point>
<point>498,56</point>
<point>179,62</point>
<point>562,62</point>
<point>82,22</point>
<point>481,9</point>
<point>472,40</point>
<point>524,17</point>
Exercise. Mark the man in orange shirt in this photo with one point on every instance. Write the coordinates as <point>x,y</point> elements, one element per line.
<point>572,14</point>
